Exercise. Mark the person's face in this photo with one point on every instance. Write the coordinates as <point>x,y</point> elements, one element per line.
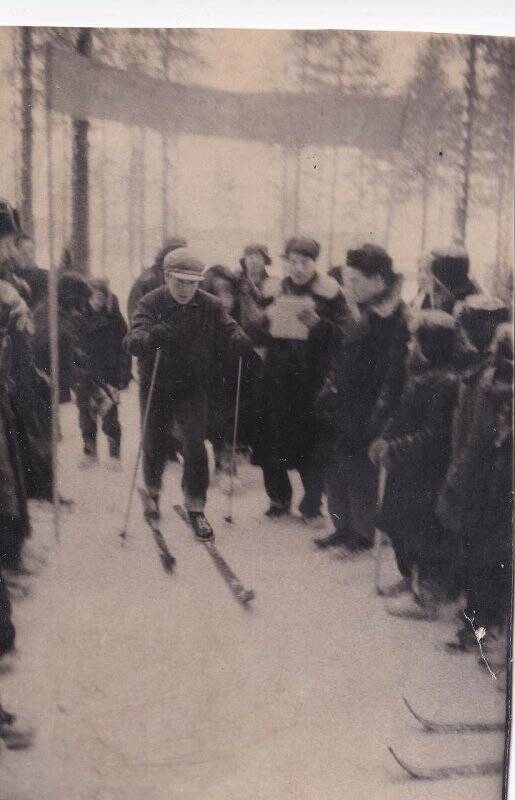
<point>97,300</point>
<point>27,253</point>
<point>300,268</point>
<point>364,288</point>
<point>255,264</point>
<point>181,290</point>
<point>224,293</point>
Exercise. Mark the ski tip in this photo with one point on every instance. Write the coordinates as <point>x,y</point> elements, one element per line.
<point>168,561</point>
<point>401,764</point>
<point>247,596</point>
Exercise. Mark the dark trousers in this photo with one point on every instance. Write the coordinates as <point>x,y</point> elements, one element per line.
<point>187,417</point>
<point>279,490</point>
<point>88,423</point>
<point>351,486</point>
<point>7,632</point>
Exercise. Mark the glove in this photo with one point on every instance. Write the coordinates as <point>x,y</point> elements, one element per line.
<point>160,335</point>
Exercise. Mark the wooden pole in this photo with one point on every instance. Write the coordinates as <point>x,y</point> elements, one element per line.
<point>53,309</point>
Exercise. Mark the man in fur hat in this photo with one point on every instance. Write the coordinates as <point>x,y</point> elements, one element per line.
<point>366,384</point>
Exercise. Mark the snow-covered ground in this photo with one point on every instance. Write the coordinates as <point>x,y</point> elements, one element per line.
<point>143,686</point>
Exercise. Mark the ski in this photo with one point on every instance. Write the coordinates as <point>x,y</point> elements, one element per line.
<point>454,727</point>
<point>167,559</point>
<point>477,769</point>
<point>244,596</point>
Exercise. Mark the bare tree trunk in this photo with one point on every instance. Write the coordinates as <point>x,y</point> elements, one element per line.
<point>296,189</point>
<point>165,161</point>
<point>131,204</point>
<point>471,96</point>
<point>425,208</point>
<point>27,131</point>
<point>332,202</point>
<point>80,176</point>
<point>103,203</point>
<point>142,204</point>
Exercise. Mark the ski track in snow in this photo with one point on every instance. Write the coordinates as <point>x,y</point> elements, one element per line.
<point>143,686</point>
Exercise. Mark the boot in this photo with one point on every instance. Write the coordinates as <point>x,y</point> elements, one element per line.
<point>410,606</point>
<point>315,522</point>
<point>89,457</point>
<point>200,525</point>
<point>402,586</point>
<point>16,736</point>
<point>150,499</point>
<point>276,512</point>
<point>465,641</point>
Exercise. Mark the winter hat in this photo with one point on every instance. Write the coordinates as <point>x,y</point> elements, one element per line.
<point>9,219</point>
<point>170,244</point>
<point>183,264</point>
<point>479,315</point>
<point>72,291</point>
<point>450,266</point>
<point>436,334</point>
<point>370,259</point>
<point>261,249</point>
<point>218,271</point>
<point>302,245</point>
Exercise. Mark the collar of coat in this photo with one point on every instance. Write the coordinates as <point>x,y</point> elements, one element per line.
<point>322,286</point>
<point>389,301</point>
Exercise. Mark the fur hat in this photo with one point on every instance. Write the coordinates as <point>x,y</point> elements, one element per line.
<point>436,335</point>
<point>479,315</point>
<point>450,266</point>
<point>261,249</point>
<point>302,245</point>
<point>370,259</point>
<point>218,272</point>
<point>72,291</point>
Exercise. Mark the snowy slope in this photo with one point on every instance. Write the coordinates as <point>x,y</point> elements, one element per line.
<point>144,686</point>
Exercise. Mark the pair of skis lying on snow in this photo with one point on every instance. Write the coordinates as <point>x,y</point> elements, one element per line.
<point>241,594</point>
<point>479,768</point>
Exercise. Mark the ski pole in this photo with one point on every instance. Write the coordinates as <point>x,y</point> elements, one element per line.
<point>228,517</point>
<point>378,534</point>
<point>123,532</point>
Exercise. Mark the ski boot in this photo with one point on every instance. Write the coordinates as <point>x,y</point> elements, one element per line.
<point>465,642</point>
<point>150,499</point>
<point>201,527</point>
<point>15,736</point>
<point>315,522</point>
<point>276,512</point>
<point>89,457</point>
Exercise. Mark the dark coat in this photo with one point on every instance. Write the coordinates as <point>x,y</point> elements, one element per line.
<point>202,333</point>
<point>69,327</point>
<point>152,278</point>
<point>101,338</point>
<point>37,280</point>
<point>14,518</point>
<point>294,373</point>
<point>476,499</point>
<point>419,449</point>
<point>368,375</point>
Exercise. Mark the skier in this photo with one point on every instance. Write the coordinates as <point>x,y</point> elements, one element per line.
<point>101,373</point>
<point>152,277</point>
<point>294,372</point>
<point>189,331</point>
<point>415,448</point>
<point>361,393</point>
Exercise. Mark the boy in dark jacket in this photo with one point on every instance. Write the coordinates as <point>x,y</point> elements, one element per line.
<point>465,505</point>
<point>361,393</point>
<point>101,372</point>
<point>179,334</point>
<point>415,449</point>
<point>295,369</point>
